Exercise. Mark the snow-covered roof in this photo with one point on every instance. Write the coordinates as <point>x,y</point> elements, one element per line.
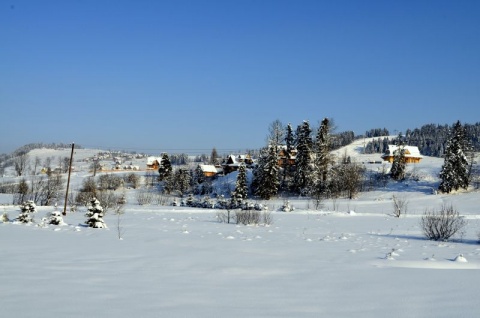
<point>151,159</point>
<point>410,151</point>
<point>209,168</point>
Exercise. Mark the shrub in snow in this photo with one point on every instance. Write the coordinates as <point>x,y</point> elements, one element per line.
<point>443,224</point>
<point>27,210</point>
<point>400,205</point>
<point>55,218</point>
<point>222,203</point>
<point>253,217</point>
<point>4,217</point>
<point>95,215</point>
<point>287,207</point>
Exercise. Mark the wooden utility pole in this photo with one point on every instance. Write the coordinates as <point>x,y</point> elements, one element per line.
<point>68,181</point>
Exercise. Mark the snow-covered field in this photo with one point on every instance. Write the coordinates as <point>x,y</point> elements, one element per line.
<point>352,258</point>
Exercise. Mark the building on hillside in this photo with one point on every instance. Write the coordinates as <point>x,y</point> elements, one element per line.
<point>232,162</point>
<point>153,163</point>
<point>210,171</point>
<point>285,159</point>
<point>412,154</point>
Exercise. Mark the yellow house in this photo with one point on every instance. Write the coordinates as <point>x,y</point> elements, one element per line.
<point>412,154</point>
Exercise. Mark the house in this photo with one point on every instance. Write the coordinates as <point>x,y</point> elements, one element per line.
<point>232,162</point>
<point>153,163</point>
<point>210,171</point>
<point>285,158</point>
<point>412,154</point>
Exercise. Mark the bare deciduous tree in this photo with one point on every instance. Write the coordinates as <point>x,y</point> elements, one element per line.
<point>20,162</point>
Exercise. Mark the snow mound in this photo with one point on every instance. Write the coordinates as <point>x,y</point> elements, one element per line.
<point>460,258</point>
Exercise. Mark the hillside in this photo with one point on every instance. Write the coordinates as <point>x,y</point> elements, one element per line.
<point>349,258</point>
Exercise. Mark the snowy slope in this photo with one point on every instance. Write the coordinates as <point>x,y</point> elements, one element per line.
<point>349,259</point>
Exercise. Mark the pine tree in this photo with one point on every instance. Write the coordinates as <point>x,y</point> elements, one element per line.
<point>455,169</point>
<point>303,177</point>
<point>399,164</point>
<point>95,215</point>
<point>55,218</point>
<point>266,174</point>
<point>28,208</point>
<point>214,156</point>
<point>289,145</point>
<point>165,169</point>
<point>182,181</point>
<point>323,157</point>
<point>241,186</point>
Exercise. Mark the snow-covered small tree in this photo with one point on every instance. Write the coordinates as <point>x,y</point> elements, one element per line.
<point>4,218</point>
<point>28,208</point>
<point>241,187</point>
<point>95,215</point>
<point>455,170</point>
<point>55,218</point>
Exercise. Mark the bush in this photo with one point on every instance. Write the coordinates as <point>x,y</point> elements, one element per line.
<point>144,197</point>
<point>400,206</point>
<point>443,224</point>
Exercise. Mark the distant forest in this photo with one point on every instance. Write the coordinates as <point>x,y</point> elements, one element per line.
<point>430,139</point>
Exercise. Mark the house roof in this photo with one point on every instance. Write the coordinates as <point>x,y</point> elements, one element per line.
<point>209,168</point>
<point>410,151</point>
<point>151,160</point>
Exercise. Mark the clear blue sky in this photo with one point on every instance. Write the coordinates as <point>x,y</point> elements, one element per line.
<point>192,75</point>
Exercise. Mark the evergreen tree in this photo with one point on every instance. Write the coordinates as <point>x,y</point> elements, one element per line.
<point>95,215</point>
<point>323,158</point>
<point>399,164</point>
<point>182,177</point>
<point>289,145</point>
<point>266,175</point>
<point>28,208</point>
<point>165,169</point>
<point>55,218</point>
<point>303,177</point>
<point>199,176</point>
<point>455,169</point>
<point>214,156</point>
<point>241,186</point>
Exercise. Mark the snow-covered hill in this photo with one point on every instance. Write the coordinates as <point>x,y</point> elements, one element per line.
<point>351,258</point>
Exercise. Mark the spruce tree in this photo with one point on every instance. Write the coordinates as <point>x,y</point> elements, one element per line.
<point>323,157</point>
<point>399,164</point>
<point>165,169</point>
<point>95,215</point>
<point>214,156</point>
<point>28,208</point>
<point>241,186</point>
<point>289,145</point>
<point>303,177</point>
<point>266,176</point>
<point>455,169</point>
<point>182,181</point>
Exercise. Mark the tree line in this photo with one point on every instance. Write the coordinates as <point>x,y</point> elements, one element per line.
<point>430,139</point>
